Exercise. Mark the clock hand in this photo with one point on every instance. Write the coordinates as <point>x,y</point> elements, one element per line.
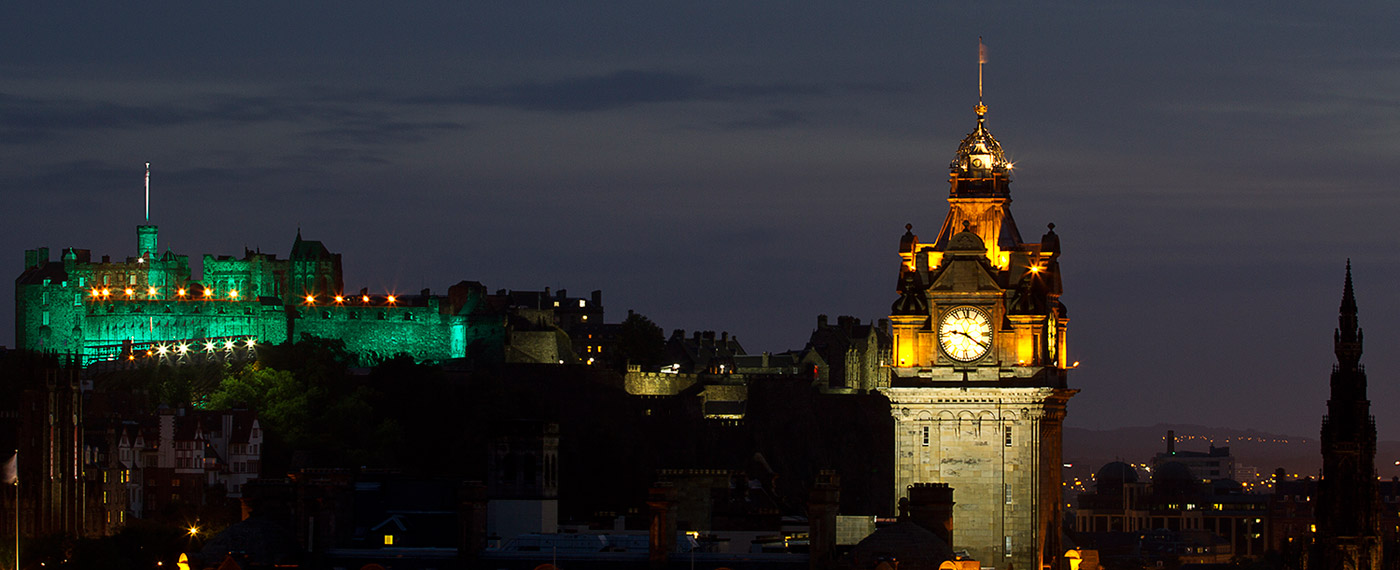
<point>971,338</point>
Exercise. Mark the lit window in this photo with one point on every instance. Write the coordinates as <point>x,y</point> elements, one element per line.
<point>582,303</point>
<point>388,540</point>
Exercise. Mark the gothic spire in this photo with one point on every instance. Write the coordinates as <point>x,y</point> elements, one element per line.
<point>1347,338</point>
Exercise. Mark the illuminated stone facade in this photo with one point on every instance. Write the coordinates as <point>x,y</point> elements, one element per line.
<point>100,310</point>
<point>978,368</point>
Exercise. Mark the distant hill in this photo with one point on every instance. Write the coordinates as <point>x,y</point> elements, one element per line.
<point>1089,449</point>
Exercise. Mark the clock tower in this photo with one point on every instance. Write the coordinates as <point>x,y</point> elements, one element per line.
<point>978,381</point>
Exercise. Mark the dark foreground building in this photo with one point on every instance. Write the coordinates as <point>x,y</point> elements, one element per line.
<point>1348,533</point>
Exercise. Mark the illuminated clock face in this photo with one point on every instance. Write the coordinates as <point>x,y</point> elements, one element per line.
<point>965,333</point>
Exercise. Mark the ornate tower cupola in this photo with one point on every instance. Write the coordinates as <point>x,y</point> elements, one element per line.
<point>980,167</point>
<point>979,179</point>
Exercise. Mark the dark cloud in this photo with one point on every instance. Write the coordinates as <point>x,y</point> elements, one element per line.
<point>30,119</point>
<point>632,87</point>
<point>382,133</point>
<point>773,119</point>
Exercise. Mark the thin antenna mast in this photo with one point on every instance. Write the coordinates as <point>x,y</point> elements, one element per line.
<point>148,171</point>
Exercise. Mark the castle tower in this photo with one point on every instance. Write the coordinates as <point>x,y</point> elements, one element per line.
<point>978,379</point>
<point>146,241</point>
<point>1348,531</point>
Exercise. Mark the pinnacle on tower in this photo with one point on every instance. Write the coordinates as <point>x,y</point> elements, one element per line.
<point>1347,338</point>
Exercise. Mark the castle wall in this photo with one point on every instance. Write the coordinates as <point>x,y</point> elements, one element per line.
<point>379,332</point>
<point>657,384</point>
<point>110,323</point>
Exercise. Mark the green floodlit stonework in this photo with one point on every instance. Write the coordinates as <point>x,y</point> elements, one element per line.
<point>103,310</point>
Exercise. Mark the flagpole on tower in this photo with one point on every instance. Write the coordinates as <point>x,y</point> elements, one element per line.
<point>981,59</point>
<point>148,168</point>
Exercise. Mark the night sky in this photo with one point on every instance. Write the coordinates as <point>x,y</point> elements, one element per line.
<point>746,166</point>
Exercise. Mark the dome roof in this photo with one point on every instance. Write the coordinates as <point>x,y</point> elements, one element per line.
<point>1115,474</point>
<point>1173,478</point>
<point>979,145</point>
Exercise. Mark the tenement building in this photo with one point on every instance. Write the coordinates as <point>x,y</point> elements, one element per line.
<point>1348,498</point>
<point>978,373</point>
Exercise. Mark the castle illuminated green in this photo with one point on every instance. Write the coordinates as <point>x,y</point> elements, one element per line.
<point>151,303</point>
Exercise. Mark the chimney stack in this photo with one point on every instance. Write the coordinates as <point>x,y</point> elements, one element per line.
<point>823,505</point>
<point>931,507</point>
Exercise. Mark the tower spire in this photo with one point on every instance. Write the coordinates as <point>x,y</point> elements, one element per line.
<point>1348,297</point>
<point>1347,338</point>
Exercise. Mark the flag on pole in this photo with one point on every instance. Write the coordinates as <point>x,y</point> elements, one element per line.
<point>10,472</point>
<point>981,51</point>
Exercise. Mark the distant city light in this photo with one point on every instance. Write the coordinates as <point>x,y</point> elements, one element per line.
<point>393,299</point>
<point>339,299</point>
